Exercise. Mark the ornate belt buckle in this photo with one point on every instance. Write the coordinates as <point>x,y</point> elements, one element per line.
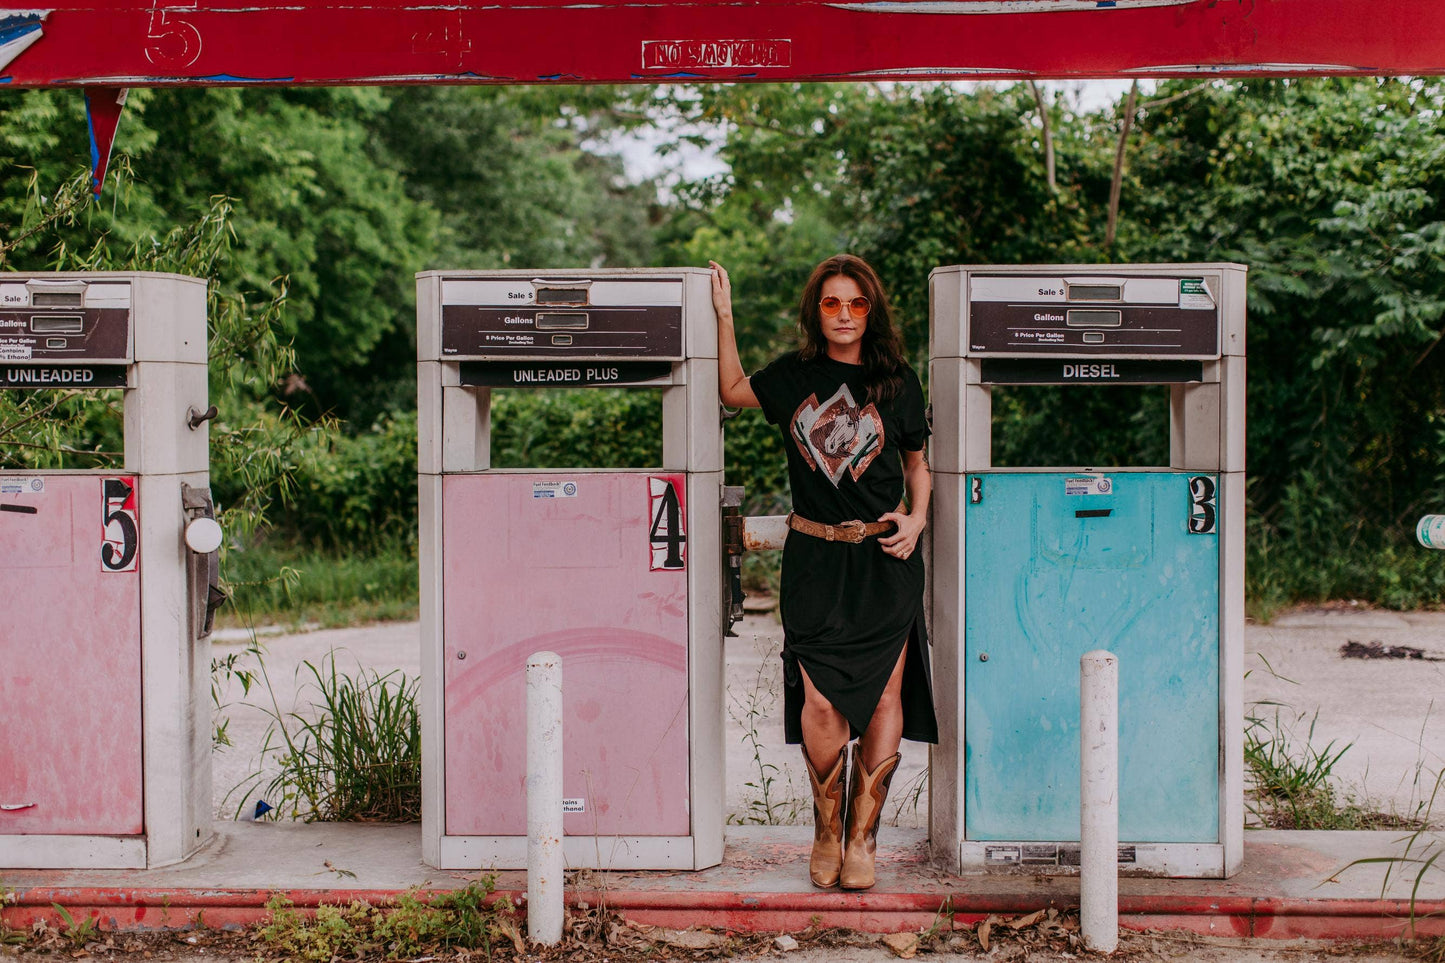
<point>851,531</point>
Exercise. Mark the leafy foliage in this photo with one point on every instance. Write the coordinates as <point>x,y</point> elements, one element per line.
<point>471,918</point>
<point>1329,190</point>
<point>1332,192</point>
<point>309,210</point>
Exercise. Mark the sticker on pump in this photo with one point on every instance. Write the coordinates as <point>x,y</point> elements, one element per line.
<point>120,526</point>
<point>1088,485</point>
<point>668,533</point>
<point>11,351</point>
<point>554,489</point>
<point>1194,294</point>
<point>574,804</point>
<point>1203,507</point>
<point>22,485</point>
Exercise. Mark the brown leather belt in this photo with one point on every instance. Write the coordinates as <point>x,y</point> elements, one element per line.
<point>853,531</point>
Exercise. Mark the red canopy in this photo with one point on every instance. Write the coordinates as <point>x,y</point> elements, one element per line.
<point>150,42</point>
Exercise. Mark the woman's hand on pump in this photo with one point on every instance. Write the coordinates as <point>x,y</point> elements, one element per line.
<point>902,542</point>
<point>722,293</point>
<point>733,387</point>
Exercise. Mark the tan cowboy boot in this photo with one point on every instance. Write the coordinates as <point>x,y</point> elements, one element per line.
<point>865,809</point>
<point>828,794</point>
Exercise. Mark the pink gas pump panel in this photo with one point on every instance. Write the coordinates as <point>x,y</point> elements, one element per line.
<point>70,678</point>
<point>591,566</point>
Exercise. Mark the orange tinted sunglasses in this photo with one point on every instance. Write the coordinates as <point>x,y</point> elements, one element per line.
<point>857,308</point>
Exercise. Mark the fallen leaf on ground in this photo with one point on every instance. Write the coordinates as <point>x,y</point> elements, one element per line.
<point>1026,921</point>
<point>984,928</point>
<point>509,929</point>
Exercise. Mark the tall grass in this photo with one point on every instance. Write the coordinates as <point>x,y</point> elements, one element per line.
<point>1291,780</point>
<point>356,756</point>
<point>1420,860</point>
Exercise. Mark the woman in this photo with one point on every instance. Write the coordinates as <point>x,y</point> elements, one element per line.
<point>852,415</point>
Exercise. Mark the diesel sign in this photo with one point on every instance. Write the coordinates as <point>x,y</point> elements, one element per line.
<point>1089,371</point>
<point>1043,371</point>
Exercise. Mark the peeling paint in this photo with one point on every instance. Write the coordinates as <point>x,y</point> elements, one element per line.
<point>1274,68</point>
<point>103,106</point>
<point>938,72</point>
<point>233,79</point>
<point>463,77</point>
<point>19,29</point>
<point>985,7</point>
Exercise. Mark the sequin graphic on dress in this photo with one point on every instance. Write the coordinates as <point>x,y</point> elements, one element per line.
<point>838,436</point>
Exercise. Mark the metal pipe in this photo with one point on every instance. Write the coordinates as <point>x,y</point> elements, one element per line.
<point>544,798</point>
<point>1099,800</point>
<point>764,532</point>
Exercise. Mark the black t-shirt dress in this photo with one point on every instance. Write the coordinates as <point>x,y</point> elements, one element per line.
<point>848,610</point>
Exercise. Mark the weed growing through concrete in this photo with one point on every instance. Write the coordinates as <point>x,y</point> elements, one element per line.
<point>909,796</point>
<point>772,799</point>
<point>224,670</point>
<point>356,756</point>
<point>1283,768</point>
<point>77,934</point>
<point>467,919</point>
<point>1421,856</point>
<point>8,936</point>
<point>1291,780</point>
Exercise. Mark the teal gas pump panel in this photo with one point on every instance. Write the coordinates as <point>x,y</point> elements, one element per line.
<point>1058,564</point>
<point>1034,566</point>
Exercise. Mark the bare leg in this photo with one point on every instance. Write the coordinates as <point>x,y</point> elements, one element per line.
<point>885,730</point>
<point>825,730</point>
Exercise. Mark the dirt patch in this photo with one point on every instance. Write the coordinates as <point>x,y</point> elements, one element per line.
<point>626,944</point>
<point>1379,650</point>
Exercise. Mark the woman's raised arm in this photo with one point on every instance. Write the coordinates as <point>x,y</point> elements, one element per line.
<point>733,387</point>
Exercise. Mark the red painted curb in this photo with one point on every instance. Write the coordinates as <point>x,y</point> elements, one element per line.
<point>120,908</point>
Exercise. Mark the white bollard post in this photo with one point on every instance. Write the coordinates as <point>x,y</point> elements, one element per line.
<point>1099,800</point>
<point>544,798</point>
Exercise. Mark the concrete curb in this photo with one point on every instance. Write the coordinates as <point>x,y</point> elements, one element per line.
<point>137,909</point>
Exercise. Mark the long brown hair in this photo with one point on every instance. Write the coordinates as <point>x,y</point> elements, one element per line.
<point>883,360</point>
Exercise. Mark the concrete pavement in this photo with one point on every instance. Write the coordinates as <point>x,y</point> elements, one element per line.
<point>1293,884</point>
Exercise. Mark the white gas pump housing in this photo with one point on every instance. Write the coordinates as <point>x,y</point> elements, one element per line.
<point>105,636</point>
<point>618,571</point>
<point>1034,566</point>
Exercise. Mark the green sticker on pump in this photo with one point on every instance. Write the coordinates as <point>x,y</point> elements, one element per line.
<point>1193,293</point>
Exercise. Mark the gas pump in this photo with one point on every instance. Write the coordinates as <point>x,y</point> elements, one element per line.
<point>1032,567</point>
<point>109,579</point>
<point>620,572</point>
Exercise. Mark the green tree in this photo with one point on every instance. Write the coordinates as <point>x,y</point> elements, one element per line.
<point>1333,192</point>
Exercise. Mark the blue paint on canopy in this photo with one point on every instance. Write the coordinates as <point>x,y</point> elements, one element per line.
<point>94,145</point>
<point>233,79</point>
<point>18,26</point>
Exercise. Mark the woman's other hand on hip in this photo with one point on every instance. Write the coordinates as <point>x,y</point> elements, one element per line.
<point>903,542</point>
